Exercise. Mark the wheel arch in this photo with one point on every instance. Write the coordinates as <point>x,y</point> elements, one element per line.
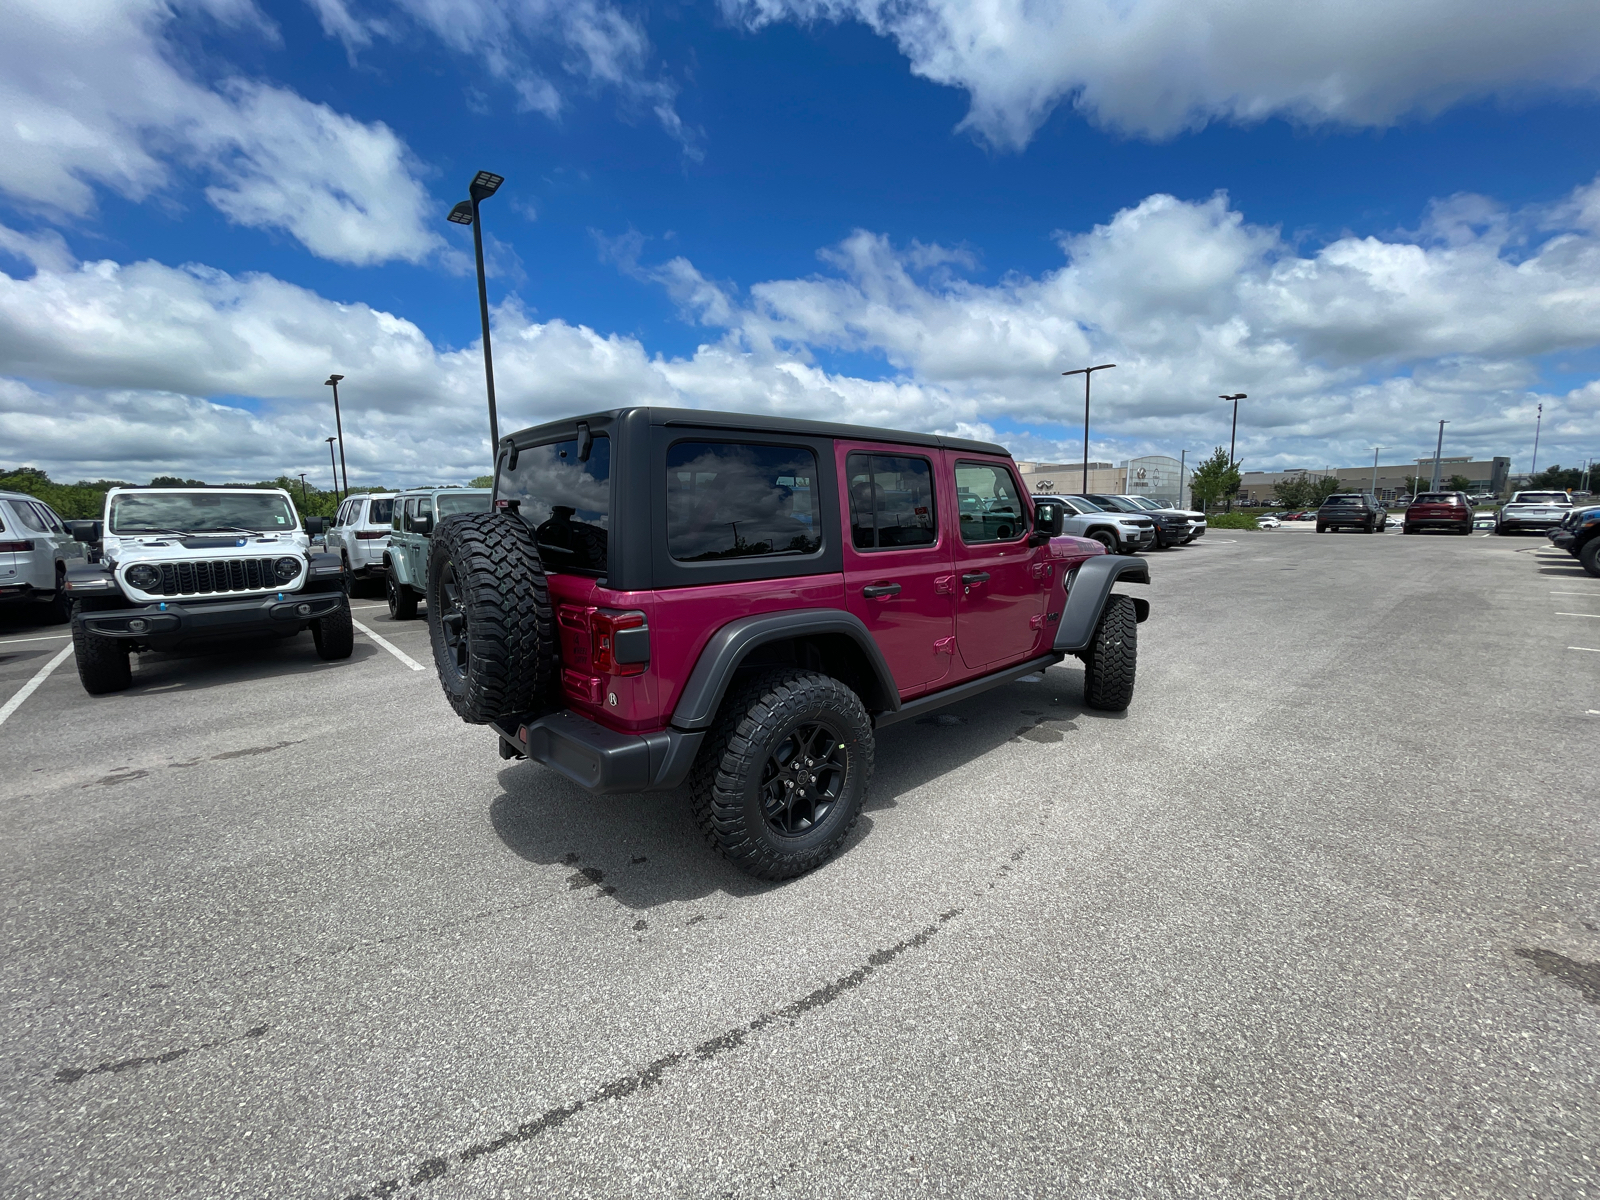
<point>1089,592</point>
<point>832,641</point>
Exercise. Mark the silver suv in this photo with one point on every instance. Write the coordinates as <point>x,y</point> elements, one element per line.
<point>359,535</point>
<point>35,551</point>
<point>1119,533</point>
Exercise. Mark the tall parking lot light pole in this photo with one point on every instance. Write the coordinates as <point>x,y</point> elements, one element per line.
<point>483,185</point>
<point>1183,457</point>
<point>332,466</point>
<point>1087,372</point>
<point>302,489</point>
<point>1438,449</point>
<point>1533,469</point>
<point>338,425</point>
<point>1233,433</point>
<point>1375,450</point>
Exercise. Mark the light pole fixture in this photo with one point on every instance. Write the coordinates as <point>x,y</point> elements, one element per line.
<point>1233,433</point>
<point>1087,373</point>
<point>303,500</point>
<point>338,425</point>
<point>483,185</point>
<point>334,468</point>
<point>1439,449</point>
<point>1537,421</point>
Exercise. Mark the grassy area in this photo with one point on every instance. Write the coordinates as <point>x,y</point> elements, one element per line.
<point>1238,520</point>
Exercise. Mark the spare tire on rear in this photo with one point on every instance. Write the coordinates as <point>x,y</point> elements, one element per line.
<point>489,617</point>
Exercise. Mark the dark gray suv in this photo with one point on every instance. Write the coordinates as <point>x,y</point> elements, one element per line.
<point>1353,510</point>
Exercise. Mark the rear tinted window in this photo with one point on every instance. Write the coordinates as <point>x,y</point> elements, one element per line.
<point>1437,498</point>
<point>1543,498</point>
<point>727,500</point>
<point>567,502</point>
<point>891,501</point>
<point>1342,500</point>
<point>450,506</point>
<point>381,512</point>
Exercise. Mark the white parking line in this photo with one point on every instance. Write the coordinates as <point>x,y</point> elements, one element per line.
<point>11,705</point>
<point>48,637</point>
<point>1596,592</point>
<point>1590,649</point>
<point>1592,616</point>
<point>391,648</point>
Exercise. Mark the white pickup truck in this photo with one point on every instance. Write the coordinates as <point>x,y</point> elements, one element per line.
<point>185,566</point>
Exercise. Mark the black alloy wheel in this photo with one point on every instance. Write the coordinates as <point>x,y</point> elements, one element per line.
<point>1106,539</point>
<point>453,621</point>
<point>803,778</point>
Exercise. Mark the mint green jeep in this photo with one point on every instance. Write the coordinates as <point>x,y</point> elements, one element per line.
<point>416,512</point>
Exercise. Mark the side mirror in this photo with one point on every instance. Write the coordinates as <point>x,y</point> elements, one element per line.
<point>87,532</point>
<point>422,523</point>
<point>315,525</point>
<point>1047,518</point>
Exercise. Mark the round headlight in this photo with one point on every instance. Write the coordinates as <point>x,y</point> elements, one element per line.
<point>142,576</point>
<point>286,569</point>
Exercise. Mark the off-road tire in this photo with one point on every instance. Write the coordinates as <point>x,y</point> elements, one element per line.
<point>103,665</point>
<point>1112,657</point>
<point>502,610</point>
<point>1589,556</point>
<point>756,717</point>
<point>335,634</point>
<point>60,605</point>
<point>402,600</point>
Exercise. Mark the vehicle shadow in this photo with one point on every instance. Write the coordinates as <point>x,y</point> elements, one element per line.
<point>229,663</point>
<point>644,849</point>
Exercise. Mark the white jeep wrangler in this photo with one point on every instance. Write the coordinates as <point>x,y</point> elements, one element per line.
<point>184,566</point>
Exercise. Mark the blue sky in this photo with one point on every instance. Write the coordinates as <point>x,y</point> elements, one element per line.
<point>794,206</point>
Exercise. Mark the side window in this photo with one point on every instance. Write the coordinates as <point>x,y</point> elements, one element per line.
<point>381,512</point>
<point>891,501</point>
<point>28,515</point>
<point>736,500</point>
<point>402,515</point>
<point>991,510</point>
<point>50,518</point>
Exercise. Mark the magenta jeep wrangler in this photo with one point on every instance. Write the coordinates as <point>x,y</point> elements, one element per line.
<point>661,595</point>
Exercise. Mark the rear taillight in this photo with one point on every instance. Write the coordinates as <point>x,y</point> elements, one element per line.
<point>605,629</point>
<point>15,547</point>
<point>367,535</point>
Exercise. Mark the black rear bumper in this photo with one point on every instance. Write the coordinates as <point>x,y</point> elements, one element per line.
<point>169,624</point>
<point>600,759</point>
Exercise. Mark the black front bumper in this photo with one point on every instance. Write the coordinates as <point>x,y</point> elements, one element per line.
<point>168,624</point>
<point>600,759</point>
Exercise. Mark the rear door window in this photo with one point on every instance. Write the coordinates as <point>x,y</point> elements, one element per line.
<point>729,500</point>
<point>891,501</point>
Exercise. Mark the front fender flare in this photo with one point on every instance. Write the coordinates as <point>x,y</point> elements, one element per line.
<point>728,647</point>
<point>1086,598</point>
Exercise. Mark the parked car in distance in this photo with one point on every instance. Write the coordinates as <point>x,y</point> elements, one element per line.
<point>1449,511</point>
<point>1268,522</point>
<point>359,535</point>
<point>1174,526</point>
<point>36,549</point>
<point>741,603</point>
<point>414,515</point>
<point>1119,533</point>
<point>1535,511</point>
<point>1579,535</point>
<point>182,568</point>
<point>1353,510</point>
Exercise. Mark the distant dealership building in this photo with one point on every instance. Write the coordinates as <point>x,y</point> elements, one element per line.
<point>1484,475</point>
<point>1154,475</point>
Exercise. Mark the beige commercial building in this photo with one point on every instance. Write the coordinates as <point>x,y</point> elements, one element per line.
<point>1491,476</point>
<point>1154,475</point>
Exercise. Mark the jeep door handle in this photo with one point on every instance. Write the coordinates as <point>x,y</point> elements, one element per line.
<point>876,591</point>
<point>972,577</point>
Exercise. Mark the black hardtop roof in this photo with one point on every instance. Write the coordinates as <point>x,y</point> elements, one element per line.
<point>750,423</point>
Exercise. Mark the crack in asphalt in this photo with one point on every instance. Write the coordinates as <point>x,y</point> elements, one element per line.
<point>647,1077</point>
<point>73,1074</point>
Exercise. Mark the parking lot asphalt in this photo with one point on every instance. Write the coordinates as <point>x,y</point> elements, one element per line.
<point>1316,917</point>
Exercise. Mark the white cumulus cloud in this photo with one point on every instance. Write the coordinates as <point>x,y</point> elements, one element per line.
<point>1157,67</point>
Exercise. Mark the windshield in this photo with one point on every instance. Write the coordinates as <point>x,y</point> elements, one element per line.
<point>1146,503</point>
<point>196,512</point>
<point>1079,504</point>
<point>452,504</point>
<point>1542,498</point>
<point>1116,504</point>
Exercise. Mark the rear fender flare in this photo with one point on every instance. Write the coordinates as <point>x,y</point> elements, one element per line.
<point>731,645</point>
<point>1086,598</point>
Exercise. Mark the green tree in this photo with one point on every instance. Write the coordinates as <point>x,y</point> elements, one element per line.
<point>482,481</point>
<point>1458,483</point>
<point>1214,478</point>
<point>1556,477</point>
<point>1321,489</point>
